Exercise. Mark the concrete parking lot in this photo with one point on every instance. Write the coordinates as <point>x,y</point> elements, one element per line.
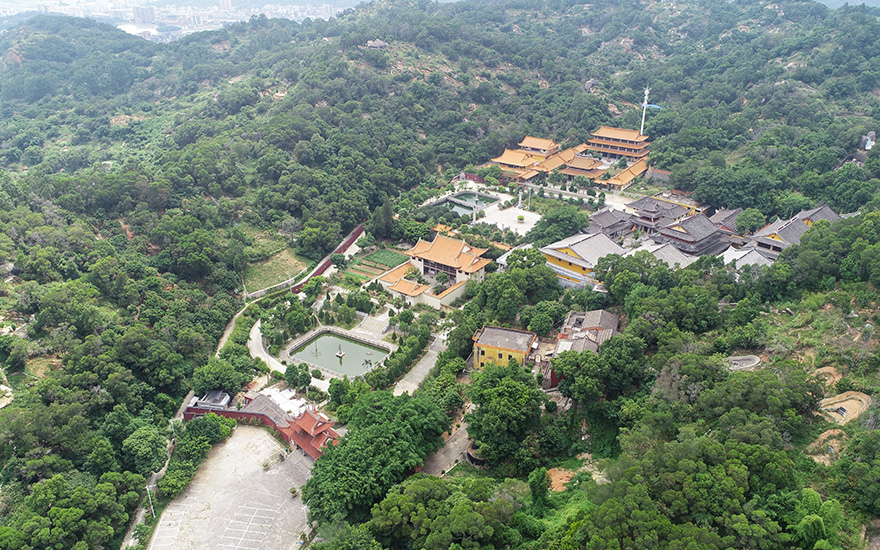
<point>234,502</point>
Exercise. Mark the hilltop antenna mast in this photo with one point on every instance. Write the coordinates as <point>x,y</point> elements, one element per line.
<point>645,106</point>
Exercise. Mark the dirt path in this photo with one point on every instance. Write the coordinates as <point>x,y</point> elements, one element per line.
<point>126,228</point>
<point>830,374</point>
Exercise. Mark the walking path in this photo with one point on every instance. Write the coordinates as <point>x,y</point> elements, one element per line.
<point>151,482</point>
<point>612,198</point>
<point>321,268</point>
<point>411,380</point>
<point>258,351</point>
<point>444,458</point>
<point>229,328</point>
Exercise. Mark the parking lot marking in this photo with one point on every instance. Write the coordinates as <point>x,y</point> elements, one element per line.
<point>234,503</point>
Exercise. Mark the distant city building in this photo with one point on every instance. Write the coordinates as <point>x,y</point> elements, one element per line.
<point>144,14</point>
<point>225,5</point>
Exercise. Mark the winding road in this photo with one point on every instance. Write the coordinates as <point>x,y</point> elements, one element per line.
<point>258,351</point>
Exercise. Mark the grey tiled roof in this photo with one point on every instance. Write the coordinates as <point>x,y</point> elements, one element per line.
<point>265,405</point>
<point>823,212</point>
<point>696,228</point>
<point>658,207</point>
<point>666,253</point>
<point>590,248</point>
<point>726,217</point>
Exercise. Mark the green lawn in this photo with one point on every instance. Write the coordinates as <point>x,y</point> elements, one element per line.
<point>275,270</point>
<point>265,242</point>
<point>387,257</point>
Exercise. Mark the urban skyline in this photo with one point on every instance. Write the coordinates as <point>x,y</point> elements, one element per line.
<point>168,22</point>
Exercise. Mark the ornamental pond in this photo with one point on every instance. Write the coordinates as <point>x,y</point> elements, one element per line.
<point>466,203</point>
<point>322,351</point>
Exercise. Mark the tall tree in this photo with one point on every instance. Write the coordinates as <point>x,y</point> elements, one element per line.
<point>508,407</point>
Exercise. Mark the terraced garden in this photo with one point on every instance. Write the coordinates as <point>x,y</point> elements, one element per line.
<point>386,257</point>
<point>375,264</point>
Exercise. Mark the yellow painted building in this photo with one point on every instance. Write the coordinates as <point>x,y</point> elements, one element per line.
<point>500,345</point>
<point>574,259</point>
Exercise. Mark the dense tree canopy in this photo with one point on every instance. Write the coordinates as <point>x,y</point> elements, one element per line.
<point>138,181</point>
<point>387,436</point>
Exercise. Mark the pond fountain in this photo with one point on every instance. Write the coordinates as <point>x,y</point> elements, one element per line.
<point>465,203</point>
<point>476,199</point>
<point>339,354</point>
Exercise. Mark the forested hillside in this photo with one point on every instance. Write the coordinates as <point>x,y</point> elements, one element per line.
<point>139,181</point>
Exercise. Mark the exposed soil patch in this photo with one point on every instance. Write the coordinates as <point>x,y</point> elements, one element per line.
<point>807,356</point>
<point>40,366</point>
<point>123,120</point>
<point>826,449</point>
<point>558,478</point>
<point>830,374</point>
<point>126,228</point>
<point>844,408</point>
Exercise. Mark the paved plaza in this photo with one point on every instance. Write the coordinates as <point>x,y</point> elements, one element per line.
<point>235,503</point>
<point>508,218</point>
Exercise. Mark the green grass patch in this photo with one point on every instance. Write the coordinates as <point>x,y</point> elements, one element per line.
<point>468,470</point>
<point>276,269</point>
<point>642,187</point>
<point>570,463</point>
<point>265,243</point>
<point>358,273</point>
<point>18,381</point>
<point>387,257</point>
<point>369,267</point>
<point>565,505</point>
<point>41,366</point>
<point>34,371</point>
